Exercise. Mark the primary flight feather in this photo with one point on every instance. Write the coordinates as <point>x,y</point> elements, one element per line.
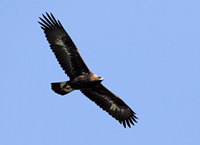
<point>81,78</point>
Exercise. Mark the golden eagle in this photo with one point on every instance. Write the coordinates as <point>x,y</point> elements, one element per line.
<point>81,78</point>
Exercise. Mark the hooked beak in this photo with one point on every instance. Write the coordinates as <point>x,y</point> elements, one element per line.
<point>101,78</point>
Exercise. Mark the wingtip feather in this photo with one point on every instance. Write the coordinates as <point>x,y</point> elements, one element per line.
<point>48,21</point>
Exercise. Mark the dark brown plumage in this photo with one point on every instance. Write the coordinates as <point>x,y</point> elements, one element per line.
<point>81,78</point>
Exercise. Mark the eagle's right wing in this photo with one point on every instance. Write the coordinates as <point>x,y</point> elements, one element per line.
<point>111,104</point>
<point>63,47</point>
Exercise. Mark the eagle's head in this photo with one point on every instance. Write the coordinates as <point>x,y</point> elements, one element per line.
<point>96,78</point>
<point>100,78</point>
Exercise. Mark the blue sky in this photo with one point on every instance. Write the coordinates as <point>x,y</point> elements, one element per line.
<point>147,51</point>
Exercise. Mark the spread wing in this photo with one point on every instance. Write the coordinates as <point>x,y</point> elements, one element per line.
<point>111,104</point>
<point>63,47</point>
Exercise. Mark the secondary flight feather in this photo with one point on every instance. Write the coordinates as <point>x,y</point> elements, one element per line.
<point>81,78</point>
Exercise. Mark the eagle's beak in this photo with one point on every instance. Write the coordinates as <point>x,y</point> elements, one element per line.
<point>101,78</point>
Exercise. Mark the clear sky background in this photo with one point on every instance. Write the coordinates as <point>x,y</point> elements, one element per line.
<point>147,51</point>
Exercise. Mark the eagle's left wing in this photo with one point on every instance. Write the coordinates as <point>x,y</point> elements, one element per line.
<point>111,104</point>
<point>63,47</point>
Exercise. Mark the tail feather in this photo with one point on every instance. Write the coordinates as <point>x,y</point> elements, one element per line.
<point>61,88</point>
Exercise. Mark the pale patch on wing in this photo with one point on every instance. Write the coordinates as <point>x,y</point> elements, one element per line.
<point>59,42</point>
<point>113,106</point>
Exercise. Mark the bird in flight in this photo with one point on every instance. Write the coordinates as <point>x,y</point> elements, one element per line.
<point>81,78</point>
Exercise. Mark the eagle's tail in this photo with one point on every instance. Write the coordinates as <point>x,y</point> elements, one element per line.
<point>61,88</point>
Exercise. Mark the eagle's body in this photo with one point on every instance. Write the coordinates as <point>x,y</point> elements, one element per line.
<point>81,78</point>
<point>80,82</point>
<point>85,81</point>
